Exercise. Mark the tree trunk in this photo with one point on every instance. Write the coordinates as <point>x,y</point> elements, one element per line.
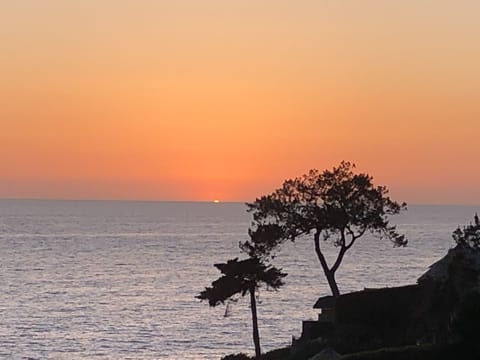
<point>332,283</point>
<point>256,336</point>
<point>329,273</point>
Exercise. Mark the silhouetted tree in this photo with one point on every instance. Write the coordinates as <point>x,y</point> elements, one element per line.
<point>242,277</point>
<point>469,235</point>
<point>264,240</point>
<point>337,205</point>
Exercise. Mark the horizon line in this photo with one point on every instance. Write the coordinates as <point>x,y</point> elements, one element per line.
<point>213,201</point>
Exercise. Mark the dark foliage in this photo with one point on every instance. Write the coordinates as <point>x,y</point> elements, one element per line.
<point>466,320</point>
<point>423,352</point>
<point>240,356</point>
<point>239,277</point>
<point>330,202</point>
<point>469,235</point>
<point>264,240</point>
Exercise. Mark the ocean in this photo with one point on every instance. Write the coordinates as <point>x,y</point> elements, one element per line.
<point>118,280</point>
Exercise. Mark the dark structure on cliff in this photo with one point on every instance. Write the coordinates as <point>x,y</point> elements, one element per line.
<point>413,314</point>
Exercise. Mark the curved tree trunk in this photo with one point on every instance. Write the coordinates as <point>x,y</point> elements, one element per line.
<point>329,273</point>
<point>256,336</point>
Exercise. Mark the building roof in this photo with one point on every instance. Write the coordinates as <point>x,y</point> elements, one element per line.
<point>325,302</point>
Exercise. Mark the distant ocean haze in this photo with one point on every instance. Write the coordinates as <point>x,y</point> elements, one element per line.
<point>113,279</point>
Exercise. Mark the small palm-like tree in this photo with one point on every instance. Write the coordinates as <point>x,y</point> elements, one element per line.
<point>242,277</point>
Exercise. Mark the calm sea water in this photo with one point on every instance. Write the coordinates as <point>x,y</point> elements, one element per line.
<point>117,280</point>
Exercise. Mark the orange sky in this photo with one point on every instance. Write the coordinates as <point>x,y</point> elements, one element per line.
<point>196,100</point>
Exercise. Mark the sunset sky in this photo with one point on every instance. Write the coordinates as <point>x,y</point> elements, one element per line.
<point>224,99</point>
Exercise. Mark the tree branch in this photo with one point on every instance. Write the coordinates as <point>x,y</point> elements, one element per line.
<point>320,255</point>
<point>340,256</point>
<point>354,237</point>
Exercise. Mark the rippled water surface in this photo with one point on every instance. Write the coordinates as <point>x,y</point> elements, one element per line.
<point>117,280</point>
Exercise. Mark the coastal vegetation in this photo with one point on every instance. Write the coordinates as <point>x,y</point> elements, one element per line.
<point>437,316</point>
<point>469,235</point>
<point>335,205</point>
<point>441,311</point>
<point>240,278</point>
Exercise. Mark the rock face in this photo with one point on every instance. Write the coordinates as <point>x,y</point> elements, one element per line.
<point>454,277</point>
<point>462,263</point>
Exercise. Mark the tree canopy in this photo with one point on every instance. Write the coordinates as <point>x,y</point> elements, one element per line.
<point>337,205</point>
<point>239,278</point>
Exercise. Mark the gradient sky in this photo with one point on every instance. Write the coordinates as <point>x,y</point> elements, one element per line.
<point>198,100</point>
